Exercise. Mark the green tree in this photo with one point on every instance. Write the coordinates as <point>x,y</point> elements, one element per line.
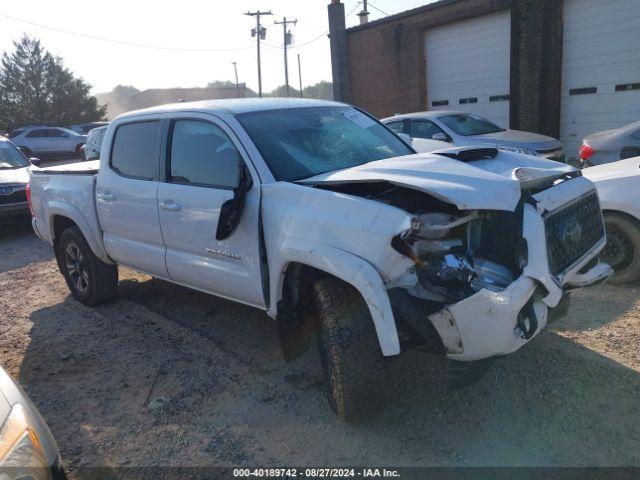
<point>321,90</point>
<point>36,88</point>
<point>281,91</point>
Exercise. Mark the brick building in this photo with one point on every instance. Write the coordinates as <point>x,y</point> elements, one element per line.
<point>564,68</point>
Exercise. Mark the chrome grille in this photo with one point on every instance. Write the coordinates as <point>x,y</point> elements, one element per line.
<point>572,231</point>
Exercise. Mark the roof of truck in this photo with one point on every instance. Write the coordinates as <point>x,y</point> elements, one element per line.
<point>234,105</point>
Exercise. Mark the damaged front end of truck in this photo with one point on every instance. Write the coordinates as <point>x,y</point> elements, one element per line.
<point>497,241</point>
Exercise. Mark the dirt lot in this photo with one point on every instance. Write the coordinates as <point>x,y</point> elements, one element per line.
<point>166,376</point>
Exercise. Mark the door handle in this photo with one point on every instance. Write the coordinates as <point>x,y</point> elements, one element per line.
<point>106,197</point>
<point>170,205</point>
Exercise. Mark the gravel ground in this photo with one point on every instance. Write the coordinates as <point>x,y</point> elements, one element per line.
<point>167,376</point>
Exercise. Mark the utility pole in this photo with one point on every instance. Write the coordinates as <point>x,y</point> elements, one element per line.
<point>300,75</point>
<point>235,69</point>
<point>260,33</point>
<point>287,42</point>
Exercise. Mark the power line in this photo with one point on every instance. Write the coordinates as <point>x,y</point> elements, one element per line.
<point>376,8</point>
<point>124,42</point>
<point>324,34</point>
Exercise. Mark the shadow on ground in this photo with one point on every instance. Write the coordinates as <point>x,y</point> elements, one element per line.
<point>167,376</point>
<point>13,237</point>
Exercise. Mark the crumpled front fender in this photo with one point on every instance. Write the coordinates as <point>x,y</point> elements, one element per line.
<point>349,268</point>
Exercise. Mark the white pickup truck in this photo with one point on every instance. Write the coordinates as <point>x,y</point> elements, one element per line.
<point>318,214</point>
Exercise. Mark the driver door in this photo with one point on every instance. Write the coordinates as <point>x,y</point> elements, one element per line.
<point>202,160</point>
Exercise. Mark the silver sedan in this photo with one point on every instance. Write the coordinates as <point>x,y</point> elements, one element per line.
<point>610,145</point>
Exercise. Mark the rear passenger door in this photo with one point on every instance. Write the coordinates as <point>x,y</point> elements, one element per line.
<point>202,158</point>
<point>127,196</point>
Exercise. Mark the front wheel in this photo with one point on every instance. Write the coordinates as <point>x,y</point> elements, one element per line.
<point>90,280</point>
<point>351,358</point>
<point>622,251</point>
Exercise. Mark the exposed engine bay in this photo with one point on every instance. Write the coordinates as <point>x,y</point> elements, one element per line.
<point>455,253</point>
<point>458,255</point>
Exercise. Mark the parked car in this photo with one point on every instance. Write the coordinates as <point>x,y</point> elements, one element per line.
<point>91,149</point>
<point>315,212</point>
<point>469,129</point>
<point>48,141</point>
<point>617,185</point>
<point>14,177</point>
<point>27,447</point>
<point>85,128</point>
<point>610,145</point>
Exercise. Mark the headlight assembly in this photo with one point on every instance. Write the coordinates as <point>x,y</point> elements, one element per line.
<point>21,452</point>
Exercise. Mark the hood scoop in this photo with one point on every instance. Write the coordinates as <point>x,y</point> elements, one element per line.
<point>466,154</point>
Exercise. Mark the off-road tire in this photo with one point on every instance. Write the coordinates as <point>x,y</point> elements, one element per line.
<point>352,361</point>
<point>101,278</point>
<point>626,231</point>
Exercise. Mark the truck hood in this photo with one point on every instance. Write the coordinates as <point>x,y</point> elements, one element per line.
<point>14,175</point>
<point>518,138</point>
<point>490,184</point>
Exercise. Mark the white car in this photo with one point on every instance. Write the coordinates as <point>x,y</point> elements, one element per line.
<point>469,129</point>
<point>618,187</point>
<point>27,448</point>
<point>14,177</point>
<point>319,215</point>
<point>48,141</point>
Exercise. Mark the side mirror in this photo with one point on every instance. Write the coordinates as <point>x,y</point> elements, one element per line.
<point>231,210</point>
<point>405,138</point>
<point>441,137</point>
<point>36,162</point>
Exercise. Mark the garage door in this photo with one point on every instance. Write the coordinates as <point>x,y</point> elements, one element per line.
<point>468,66</point>
<point>601,68</point>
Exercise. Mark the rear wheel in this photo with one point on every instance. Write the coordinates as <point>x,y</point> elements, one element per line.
<point>90,280</point>
<point>27,151</point>
<point>622,251</point>
<point>351,358</point>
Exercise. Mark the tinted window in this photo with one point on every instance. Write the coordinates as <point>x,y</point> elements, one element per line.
<point>424,129</point>
<point>134,150</point>
<point>397,127</point>
<point>202,154</point>
<point>57,133</point>
<point>299,143</point>
<point>38,133</point>
<point>15,133</point>
<point>469,124</point>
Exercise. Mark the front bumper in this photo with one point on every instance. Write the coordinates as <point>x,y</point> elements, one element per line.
<point>489,323</point>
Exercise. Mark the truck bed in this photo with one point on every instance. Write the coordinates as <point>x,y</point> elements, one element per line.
<point>78,168</point>
<point>66,191</point>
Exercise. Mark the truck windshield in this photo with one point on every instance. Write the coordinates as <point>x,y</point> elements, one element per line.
<point>299,143</point>
<point>11,157</point>
<point>469,124</point>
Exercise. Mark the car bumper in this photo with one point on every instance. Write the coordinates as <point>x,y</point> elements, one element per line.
<point>14,210</point>
<point>489,323</point>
